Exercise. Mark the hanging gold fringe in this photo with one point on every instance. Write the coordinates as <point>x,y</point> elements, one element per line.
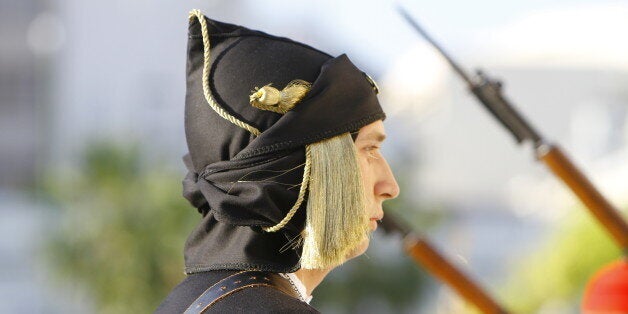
<point>336,222</point>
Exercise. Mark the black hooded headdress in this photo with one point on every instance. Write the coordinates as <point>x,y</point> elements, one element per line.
<point>246,164</point>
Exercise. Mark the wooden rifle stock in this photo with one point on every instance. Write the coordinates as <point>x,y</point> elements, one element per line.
<point>599,207</point>
<point>425,254</point>
<point>435,263</point>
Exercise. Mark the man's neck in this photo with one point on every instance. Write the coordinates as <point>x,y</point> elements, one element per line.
<point>311,278</point>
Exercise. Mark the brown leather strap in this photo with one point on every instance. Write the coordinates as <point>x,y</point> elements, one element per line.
<point>237,282</point>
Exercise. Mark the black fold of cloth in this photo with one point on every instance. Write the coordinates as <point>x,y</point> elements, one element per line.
<point>240,182</point>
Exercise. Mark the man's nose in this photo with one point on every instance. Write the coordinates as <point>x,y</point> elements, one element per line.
<point>387,187</point>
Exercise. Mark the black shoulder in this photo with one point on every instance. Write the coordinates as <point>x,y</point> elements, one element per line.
<point>188,290</point>
<point>260,300</point>
<point>251,300</point>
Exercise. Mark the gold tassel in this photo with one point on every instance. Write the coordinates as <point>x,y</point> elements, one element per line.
<point>336,221</point>
<point>272,99</point>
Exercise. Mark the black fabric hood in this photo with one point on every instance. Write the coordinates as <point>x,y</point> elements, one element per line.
<point>240,182</point>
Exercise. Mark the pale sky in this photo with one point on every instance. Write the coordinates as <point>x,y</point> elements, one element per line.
<point>132,55</point>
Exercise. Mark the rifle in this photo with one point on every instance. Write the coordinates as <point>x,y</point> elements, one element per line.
<point>489,92</point>
<point>422,251</point>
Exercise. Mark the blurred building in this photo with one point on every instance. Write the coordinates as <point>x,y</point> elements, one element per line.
<point>74,71</point>
<point>19,94</point>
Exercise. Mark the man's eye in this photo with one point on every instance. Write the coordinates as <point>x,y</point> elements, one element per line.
<point>371,151</point>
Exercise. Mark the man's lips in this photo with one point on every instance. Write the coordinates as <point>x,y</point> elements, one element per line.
<point>378,217</point>
<point>373,221</point>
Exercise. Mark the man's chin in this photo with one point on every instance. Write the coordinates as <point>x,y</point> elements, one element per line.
<point>360,249</point>
<point>372,225</point>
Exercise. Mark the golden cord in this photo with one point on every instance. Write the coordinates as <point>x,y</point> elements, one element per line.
<point>300,198</point>
<point>206,64</point>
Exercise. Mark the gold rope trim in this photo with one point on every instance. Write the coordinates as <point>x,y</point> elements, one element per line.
<point>301,197</point>
<point>206,63</point>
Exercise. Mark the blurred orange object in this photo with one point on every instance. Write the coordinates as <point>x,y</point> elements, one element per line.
<point>607,290</point>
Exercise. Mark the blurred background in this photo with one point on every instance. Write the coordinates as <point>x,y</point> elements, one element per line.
<point>91,139</point>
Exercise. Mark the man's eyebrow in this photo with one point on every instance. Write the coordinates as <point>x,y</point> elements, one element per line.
<point>374,135</point>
